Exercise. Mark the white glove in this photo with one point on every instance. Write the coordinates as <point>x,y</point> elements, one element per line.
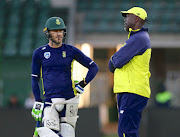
<point>37,110</point>
<point>79,89</point>
<point>80,86</point>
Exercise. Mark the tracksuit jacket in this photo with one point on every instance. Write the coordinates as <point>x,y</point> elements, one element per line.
<point>130,64</point>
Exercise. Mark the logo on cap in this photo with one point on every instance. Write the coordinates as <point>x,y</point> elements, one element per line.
<point>58,22</point>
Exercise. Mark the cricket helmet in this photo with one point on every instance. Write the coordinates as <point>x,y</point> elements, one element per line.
<point>54,23</point>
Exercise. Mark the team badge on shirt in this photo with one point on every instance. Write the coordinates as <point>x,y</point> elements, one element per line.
<point>47,55</point>
<point>64,54</point>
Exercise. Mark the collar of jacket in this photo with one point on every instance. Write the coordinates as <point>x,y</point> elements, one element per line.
<point>131,31</point>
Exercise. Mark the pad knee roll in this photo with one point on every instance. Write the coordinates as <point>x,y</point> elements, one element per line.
<point>66,130</point>
<point>46,132</point>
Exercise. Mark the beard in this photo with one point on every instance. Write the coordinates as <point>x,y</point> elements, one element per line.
<point>57,40</point>
<point>126,28</point>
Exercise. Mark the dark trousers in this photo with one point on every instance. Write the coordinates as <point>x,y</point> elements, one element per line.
<point>130,107</point>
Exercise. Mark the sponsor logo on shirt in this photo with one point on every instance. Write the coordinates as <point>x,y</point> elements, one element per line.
<point>121,111</point>
<point>64,54</point>
<point>43,48</point>
<point>47,55</point>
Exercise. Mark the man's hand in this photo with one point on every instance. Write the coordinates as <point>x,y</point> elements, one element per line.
<point>80,86</point>
<point>37,110</point>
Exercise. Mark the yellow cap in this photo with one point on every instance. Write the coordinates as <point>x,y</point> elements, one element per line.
<point>140,12</point>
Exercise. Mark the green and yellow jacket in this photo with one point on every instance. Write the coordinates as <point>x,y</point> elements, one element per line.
<point>130,64</point>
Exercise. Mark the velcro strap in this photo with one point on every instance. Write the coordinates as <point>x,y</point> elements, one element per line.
<point>69,119</point>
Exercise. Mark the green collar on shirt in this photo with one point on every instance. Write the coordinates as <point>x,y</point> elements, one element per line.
<point>131,30</point>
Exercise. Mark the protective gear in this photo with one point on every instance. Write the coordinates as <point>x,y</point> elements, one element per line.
<point>80,86</point>
<point>71,111</point>
<point>59,107</point>
<point>79,89</point>
<point>54,23</point>
<point>37,110</point>
<point>51,118</point>
<point>46,132</point>
<point>67,130</point>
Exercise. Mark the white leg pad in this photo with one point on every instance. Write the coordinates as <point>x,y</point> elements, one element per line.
<point>71,114</point>
<point>46,132</point>
<point>66,130</point>
<point>51,118</point>
<point>71,111</point>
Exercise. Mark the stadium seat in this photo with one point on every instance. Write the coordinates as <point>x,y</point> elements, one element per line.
<point>44,4</point>
<point>96,5</point>
<point>102,27</point>
<point>111,5</point>
<point>124,6</point>
<point>30,3</point>
<point>117,27</point>
<point>14,19</point>
<point>2,18</point>
<point>12,32</point>
<point>40,42</point>
<point>174,27</point>
<point>2,4</point>
<point>26,47</point>
<point>92,16</point>
<point>10,47</point>
<point>107,16</point>
<point>89,27</point>
<point>82,5</point>
<point>16,4</point>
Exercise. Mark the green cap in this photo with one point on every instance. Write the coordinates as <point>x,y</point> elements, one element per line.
<point>55,23</point>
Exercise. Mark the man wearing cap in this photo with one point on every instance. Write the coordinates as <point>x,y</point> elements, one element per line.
<point>53,63</point>
<point>130,66</point>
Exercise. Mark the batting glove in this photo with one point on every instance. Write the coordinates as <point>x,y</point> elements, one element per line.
<point>80,86</point>
<point>37,111</point>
